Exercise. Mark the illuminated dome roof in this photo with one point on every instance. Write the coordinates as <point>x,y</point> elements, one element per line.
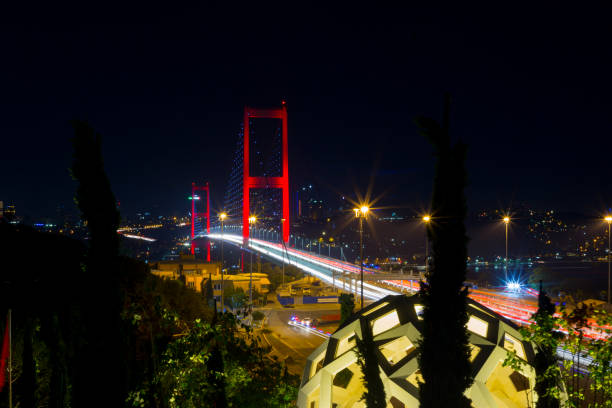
<point>332,377</point>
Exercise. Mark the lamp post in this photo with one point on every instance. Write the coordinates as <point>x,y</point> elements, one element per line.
<point>609,220</point>
<point>506,222</point>
<point>284,249</point>
<point>252,221</point>
<point>426,220</point>
<point>361,213</point>
<point>222,218</point>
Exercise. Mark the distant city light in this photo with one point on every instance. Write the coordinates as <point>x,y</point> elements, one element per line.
<point>427,218</point>
<point>506,219</point>
<point>608,218</point>
<point>194,197</point>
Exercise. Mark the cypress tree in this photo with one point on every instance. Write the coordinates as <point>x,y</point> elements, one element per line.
<point>347,306</point>
<point>545,364</point>
<point>444,348</point>
<point>99,374</point>
<point>374,394</point>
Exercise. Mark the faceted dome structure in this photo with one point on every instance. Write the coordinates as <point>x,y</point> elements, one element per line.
<point>332,378</point>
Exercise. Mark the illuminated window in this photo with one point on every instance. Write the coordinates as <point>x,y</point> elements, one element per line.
<point>414,378</point>
<point>419,310</point>
<point>383,304</point>
<point>478,326</point>
<point>343,378</point>
<point>317,364</point>
<point>395,403</point>
<point>474,350</point>
<point>513,344</point>
<point>345,344</point>
<point>397,349</point>
<point>385,322</point>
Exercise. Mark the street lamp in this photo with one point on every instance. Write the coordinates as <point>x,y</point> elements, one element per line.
<point>609,220</point>
<point>361,213</point>
<point>426,220</point>
<point>252,221</point>
<point>506,220</point>
<point>222,218</point>
<point>284,248</point>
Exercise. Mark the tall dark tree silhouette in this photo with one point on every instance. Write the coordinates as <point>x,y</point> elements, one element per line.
<point>545,363</point>
<point>100,370</point>
<point>347,306</point>
<point>374,394</point>
<point>444,348</point>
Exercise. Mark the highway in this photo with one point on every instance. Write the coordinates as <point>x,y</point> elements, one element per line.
<point>515,306</point>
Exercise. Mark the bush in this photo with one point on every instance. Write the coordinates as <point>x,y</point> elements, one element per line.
<point>257,315</point>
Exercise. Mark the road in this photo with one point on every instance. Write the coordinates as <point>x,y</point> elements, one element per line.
<point>290,343</point>
<point>517,307</point>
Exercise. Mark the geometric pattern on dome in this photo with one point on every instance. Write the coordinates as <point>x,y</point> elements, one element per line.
<point>332,377</point>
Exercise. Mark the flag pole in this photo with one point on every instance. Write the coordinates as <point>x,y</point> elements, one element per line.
<point>10,367</point>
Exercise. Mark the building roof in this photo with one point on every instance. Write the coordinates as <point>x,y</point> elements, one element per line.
<point>331,375</point>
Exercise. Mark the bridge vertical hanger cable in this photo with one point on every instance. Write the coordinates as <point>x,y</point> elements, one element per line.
<point>196,215</point>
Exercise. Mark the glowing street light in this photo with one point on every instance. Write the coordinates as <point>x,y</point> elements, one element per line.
<point>426,220</point>
<point>506,220</point>
<point>608,219</point>
<point>222,218</point>
<point>361,213</point>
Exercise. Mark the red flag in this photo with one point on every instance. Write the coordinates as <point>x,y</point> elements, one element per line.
<point>4,355</point>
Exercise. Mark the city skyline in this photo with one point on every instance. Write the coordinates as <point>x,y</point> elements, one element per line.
<point>166,123</point>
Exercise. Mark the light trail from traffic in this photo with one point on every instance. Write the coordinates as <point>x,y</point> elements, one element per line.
<point>508,305</point>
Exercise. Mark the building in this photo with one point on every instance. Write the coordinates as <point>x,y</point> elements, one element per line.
<point>261,283</point>
<point>193,271</point>
<point>332,377</point>
<point>9,213</point>
<point>309,205</point>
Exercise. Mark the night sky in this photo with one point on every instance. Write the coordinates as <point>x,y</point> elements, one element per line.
<point>531,95</point>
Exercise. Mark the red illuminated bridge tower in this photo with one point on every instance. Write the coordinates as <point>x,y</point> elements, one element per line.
<point>195,215</point>
<point>281,182</point>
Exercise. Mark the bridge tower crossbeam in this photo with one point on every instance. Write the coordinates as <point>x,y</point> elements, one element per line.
<point>250,182</point>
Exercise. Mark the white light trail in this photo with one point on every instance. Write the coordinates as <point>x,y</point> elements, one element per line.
<point>139,237</point>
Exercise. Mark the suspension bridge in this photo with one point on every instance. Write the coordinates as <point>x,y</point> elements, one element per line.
<point>254,187</point>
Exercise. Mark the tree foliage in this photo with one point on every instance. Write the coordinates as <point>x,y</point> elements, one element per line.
<point>275,274</point>
<point>216,363</point>
<point>542,333</point>
<point>582,331</point>
<point>103,354</point>
<point>347,306</point>
<point>581,322</point>
<point>444,348</point>
<point>91,325</point>
<point>374,394</point>
<point>548,382</point>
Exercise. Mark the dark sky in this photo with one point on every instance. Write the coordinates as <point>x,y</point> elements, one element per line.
<point>166,85</point>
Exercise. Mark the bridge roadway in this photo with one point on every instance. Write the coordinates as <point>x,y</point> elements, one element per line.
<point>330,270</point>
<point>327,269</point>
<point>510,305</point>
<point>517,307</point>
